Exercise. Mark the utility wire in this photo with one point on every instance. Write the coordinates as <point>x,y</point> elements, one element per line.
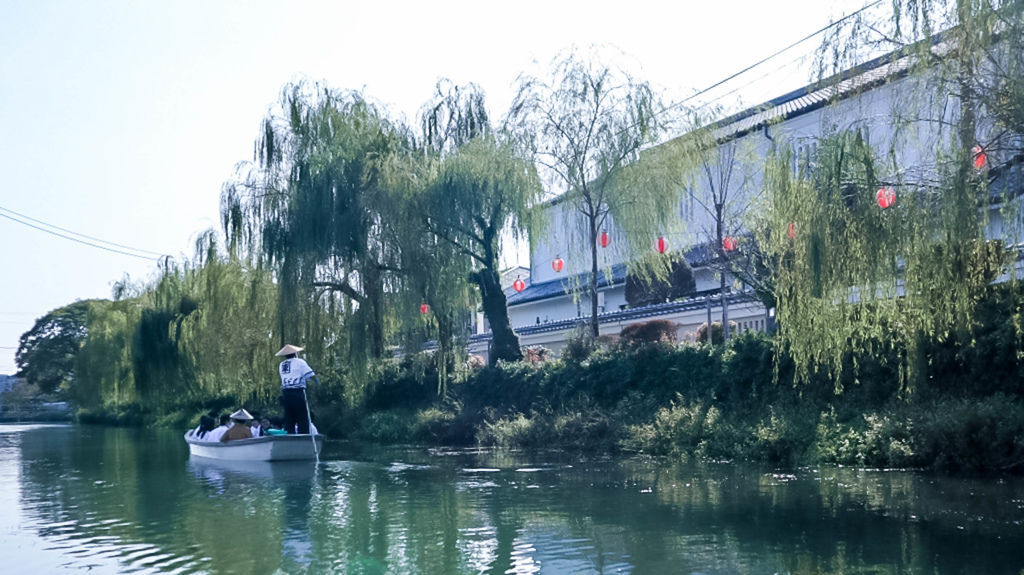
<point>74,239</point>
<point>769,57</point>
<point>72,232</point>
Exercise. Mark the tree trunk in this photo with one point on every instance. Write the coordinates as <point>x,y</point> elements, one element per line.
<point>375,299</point>
<point>719,225</point>
<point>967,129</point>
<point>504,341</point>
<point>707,300</point>
<point>595,329</point>
<point>725,310</point>
<point>445,352</point>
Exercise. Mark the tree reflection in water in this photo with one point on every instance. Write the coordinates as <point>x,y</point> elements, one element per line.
<point>112,497</point>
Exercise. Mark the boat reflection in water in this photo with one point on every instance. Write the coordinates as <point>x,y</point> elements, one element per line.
<point>290,483</point>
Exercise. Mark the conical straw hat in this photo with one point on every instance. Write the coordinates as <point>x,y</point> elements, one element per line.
<point>241,415</point>
<point>290,349</point>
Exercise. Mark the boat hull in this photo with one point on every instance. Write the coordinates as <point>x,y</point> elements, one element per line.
<point>267,448</point>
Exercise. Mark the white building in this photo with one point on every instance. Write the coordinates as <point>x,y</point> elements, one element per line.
<point>548,310</point>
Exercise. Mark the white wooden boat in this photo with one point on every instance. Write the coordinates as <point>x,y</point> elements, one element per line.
<point>268,448</point>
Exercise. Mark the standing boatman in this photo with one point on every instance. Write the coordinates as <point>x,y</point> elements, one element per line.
<point>295,372</point>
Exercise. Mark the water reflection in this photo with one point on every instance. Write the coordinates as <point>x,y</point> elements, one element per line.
<point>289,485</point>
<point>120,500</point>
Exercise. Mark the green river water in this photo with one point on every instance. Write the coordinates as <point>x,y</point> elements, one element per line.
<point>104,500</point>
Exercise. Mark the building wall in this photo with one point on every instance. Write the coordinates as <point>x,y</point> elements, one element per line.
<point>748,316</point>
<point>564,307</point>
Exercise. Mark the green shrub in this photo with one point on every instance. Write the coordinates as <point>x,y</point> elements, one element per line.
<point>716,332</point>
<point>392,426</point>
<point>585,426</point>
<point>747,368</point>
<point>648,332</point>
<point>407,382</point>
<point>580,345</point>
<point>507,387</point>
<point>433,424</point>
<point>124,415</point>
<point>973,435</point>
<point>781,437</point>
<point>837,442</point>
<point>675,430</point>
<point>515,430</point>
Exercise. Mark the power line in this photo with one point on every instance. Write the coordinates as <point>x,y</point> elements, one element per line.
<point>74,239</point>
<point>769,57</point>
<point>79,234</point>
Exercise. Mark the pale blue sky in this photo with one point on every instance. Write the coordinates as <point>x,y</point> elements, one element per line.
<point>120,120</point>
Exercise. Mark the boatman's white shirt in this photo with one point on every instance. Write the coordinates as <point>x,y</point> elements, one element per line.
<point>294,373</point>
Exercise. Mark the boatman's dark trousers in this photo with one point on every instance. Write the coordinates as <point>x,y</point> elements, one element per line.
<point>294,402</point>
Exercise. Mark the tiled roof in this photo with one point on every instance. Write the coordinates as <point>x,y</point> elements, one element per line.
<point>812,96</point>
<point>563,286</point>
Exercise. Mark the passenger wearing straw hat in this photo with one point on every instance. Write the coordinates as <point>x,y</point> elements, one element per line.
<point>240,430</point>
<point>295,372</point>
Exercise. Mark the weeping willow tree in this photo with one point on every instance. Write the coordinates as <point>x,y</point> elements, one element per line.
<point>588,124</point>
<point>327,211</point>
<point>202,331</point>
<point>162,374</point>
<point>484,185</point>
<point>130,357</point>
<point>855,278</point>
<point>971,51</point>
<point>856,275</point>
<point>228,339</point>
<point>103,366</point>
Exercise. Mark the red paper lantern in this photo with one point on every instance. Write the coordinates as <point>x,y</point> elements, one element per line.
<point>518,285</point>
<point>885,197</point>
<point>557,264</point>
<point>424,309</point>
<point>729,243</point>
<point>605,239</point>
<point>661,245</point>
<point>791,230</point>
<point>980,159</point>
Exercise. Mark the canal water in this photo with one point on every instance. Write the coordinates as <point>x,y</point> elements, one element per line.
<point>104,500</point>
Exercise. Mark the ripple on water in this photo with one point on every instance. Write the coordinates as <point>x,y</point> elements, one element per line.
<point>398,467</point>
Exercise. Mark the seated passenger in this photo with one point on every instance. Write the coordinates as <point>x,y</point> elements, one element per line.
<point>217,433</point>
<point>240,430</point>
<point>206,425</point>
<point>256,425</point>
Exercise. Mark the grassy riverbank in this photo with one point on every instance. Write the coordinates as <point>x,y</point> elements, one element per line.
<point>700,401</point>
<point>960,411</point>
<point>732,402</point>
